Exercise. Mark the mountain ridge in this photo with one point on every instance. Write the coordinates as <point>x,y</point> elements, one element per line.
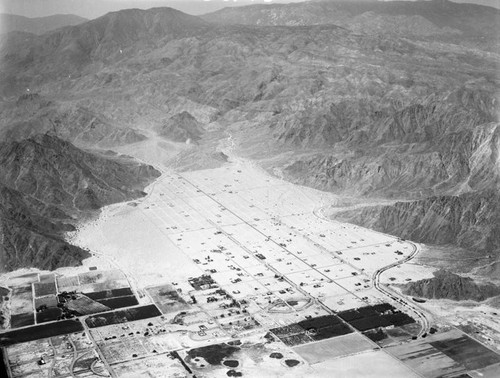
<point>446,285</point>
<point>452,21</point>
<point>47,186</point>
<point>470,220</point>
<point>37,25</point>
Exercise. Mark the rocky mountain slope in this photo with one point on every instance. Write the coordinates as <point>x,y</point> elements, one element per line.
<point>470,220</point>
<point>29,238</point>
<point>181,127</point>
<point>57,173</point>
<point>37,25</point>
<point>401,114</point>
<point>446,285</point>
<point>32,114</point>
<point>413,157</point>
<point>47,185</point>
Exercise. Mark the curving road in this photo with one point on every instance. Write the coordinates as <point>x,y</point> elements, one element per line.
<point>395,296</point>
<point>424,321</point>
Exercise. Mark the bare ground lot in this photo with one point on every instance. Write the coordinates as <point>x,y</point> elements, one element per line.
<point>332,348</point>
<point>372,364</point>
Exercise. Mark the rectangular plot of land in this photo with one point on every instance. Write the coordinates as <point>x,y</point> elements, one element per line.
<point>83,305</point>
<point>40,332</point>
<point>101,277</point>
<point>297,339</point>
<point>25,279</point>
<point>45,278</point>
<point>467,351</point>
<point>21,300</point>
<point>288,330</point>
<point>119,302</point>
<point>330,332</point>
<point>21,320</point>
<point>370,323</point>
<point>48,301</point>
<point>325,327</point>
<point>42,289</point>
<point>379,315</point>
<point>65,283</point>
<point>374,364</point>
<point>49,314</point>
<point>167,299</point>
<point>122,350</point>
<point>97,295</point>
<point>426,360</point>
<point>331,348</point>
<point>320,322</point>
<point>123,316</point>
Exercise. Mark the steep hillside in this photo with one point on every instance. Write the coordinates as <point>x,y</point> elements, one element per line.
<point>38,25</point>
<point>446,285</point>
<point>181,127</point>
<point>32,114</point>
<point>47,186</point>
<point>55,172</point>
<point>408,161</point>
<point>470,220</point>
<point>30,238</point>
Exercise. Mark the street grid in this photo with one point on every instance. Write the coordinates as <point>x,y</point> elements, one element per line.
<point>264,244</point>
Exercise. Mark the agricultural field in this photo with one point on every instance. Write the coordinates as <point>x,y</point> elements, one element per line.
<point>371,317</point>
<point>446,354</point>
<point>83,305</point>
<point>49,314</point>
<point>364,364</point>
<point>21,306</point>
<point>41,331</point>
<point>41,298</point>
<point>122,316</point>
<point>313,329</point>
<point>44,288</point>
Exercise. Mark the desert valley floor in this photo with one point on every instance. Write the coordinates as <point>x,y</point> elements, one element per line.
<point>233,272</point>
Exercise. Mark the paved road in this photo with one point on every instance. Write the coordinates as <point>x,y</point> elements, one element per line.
<point>424,321</point>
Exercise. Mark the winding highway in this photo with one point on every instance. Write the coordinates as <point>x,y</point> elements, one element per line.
<point>424,321</point>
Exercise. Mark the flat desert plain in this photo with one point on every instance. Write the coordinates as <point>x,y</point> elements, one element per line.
<point>266,243</point>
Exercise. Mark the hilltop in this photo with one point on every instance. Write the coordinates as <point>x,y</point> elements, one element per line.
<point>446,285</point>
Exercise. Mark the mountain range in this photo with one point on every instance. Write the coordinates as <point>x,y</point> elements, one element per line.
<point>38,25</point>
<point>396,100</point>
